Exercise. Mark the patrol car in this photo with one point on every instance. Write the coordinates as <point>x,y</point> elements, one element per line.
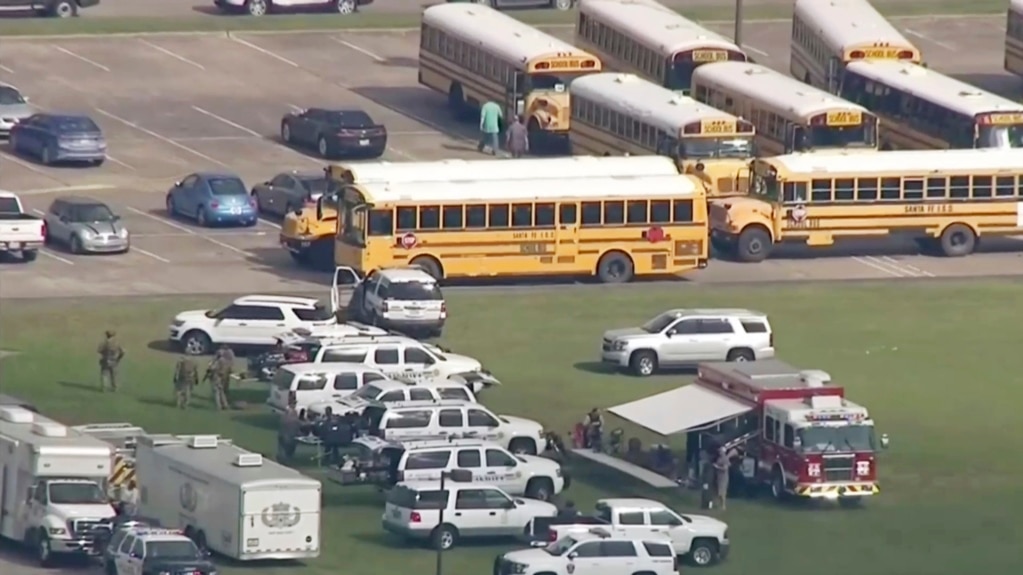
<point>595,552</point>
<point>406,299</point>
<point>138,549</point>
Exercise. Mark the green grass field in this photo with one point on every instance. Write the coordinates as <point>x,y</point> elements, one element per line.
<point>933,362</point>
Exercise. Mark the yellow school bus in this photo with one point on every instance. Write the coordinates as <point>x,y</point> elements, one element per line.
<point>474,54</point>
<point>613,228</point>
<point>624,114</point>
<point>308,235</point>
<point>1014,38</point>
<point>788,116</point>
<point>922,109</point>
<point>650,40</point>
<point>827,35</point>
<point>944,199</point>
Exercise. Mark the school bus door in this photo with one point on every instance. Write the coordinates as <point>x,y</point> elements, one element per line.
<point>566,235</point>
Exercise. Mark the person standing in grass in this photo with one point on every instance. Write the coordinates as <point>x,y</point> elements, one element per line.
<point>110,355</point>
<point>490,127</point>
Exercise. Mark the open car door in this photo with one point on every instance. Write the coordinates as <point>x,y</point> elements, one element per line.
<point>346,279</point>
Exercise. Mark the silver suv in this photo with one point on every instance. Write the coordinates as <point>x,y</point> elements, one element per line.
<point>685,337</point>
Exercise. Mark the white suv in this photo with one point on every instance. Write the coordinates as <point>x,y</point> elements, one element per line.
<point>470,510</point>
<point>686,337</point>
<point>405,299</point>
<point>596,552</point>
<point>249,321</point>
<point>305,385</point>
<point>453,419</point>
<point>395,392</point>
<point>405,359</point>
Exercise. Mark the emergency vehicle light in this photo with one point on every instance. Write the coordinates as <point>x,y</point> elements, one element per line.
<point>834,416</point>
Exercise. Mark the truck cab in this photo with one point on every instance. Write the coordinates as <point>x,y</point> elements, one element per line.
<point>699,539</point>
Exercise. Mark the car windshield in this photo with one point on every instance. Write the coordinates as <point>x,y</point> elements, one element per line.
<point>368,392</point>
<point>318,313</point>
<point>831,439</point>
<point>435,351</point>
<point>75,124</point>
<point>171,550</point>
<point>414,291</point>
<point>561,546</point>
<point>227,187</point>
<point>10,97</point>
<point>78,493</point>
<point>94,213</point>
<point>657,324</point>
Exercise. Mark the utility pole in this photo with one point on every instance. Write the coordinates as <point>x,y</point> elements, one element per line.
<point>738,23</point>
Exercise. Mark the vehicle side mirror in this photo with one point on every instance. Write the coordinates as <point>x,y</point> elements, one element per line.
<point>177,184</point>
<point>884,441</point>
<point>572,555</point>
<point>136,555</point>
<point>267,183</point>
<point>510,505</point>
<point>117,218</point>
<point>206,553</point>
<point>298,211</point>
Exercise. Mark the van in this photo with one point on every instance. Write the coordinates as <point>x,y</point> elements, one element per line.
<point>305,384</point>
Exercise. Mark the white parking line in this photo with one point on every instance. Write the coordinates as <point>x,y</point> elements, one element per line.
<point>180,146</point>
<point>262,50</point>
<point>38,212</point>
<point>6,69</point>
<point>82,188</point>
<point>182,228</point>
<point>82,58</point>
<point>755,50</point>
<point>271,224</point>
<point>892,267</point>
<point>228,122</point>
<point>120,163</point>
<point>359,49</point>
<point>929,39</point>
<point>174,55</point>
<point>54,256</point>
<point>27,165</point>
<point>150,254</point>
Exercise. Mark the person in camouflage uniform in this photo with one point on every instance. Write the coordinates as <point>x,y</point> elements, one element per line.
<point>186,376</point>
<point>110,355</point>
<point>219,372</point>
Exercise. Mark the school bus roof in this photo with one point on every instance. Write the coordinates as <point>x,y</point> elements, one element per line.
<point>654,25</point>
<point>550,189</point>
<point>843,24</point>
<point>782,94</point>
<point>532,168</point>
<point>500,34</point>
<point>939,89</point>
<point>901,162</point>
<point>635,97</point>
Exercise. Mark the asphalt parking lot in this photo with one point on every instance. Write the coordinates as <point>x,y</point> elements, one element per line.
<point>173,104</point>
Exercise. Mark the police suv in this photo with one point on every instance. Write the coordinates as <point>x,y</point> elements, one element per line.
<point>596,552</point>
<point>138,549</point>
<point>406,299</point>
<point>395,392</point>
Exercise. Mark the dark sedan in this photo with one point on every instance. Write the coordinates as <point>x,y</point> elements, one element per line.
<point>290,192</point>
<point>333,133</point>
<point>59,138</point>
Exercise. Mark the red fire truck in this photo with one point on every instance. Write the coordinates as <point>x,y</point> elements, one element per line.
<point>801,436</point>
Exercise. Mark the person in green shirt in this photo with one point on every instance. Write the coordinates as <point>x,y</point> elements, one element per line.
<point>490,127</point>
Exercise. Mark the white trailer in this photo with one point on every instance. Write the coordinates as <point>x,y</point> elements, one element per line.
<point>227,499</point>
<point>52,494</point>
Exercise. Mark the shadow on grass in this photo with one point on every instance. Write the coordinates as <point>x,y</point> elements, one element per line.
<point>161,402</point>
<point>367,497</point>
<point>258,420</point>
<point>383,539</point>
<point>163,346</point>
<point>91,387</point>
<point>597,367</point>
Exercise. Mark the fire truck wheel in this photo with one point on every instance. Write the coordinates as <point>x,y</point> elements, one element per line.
<point>778,485</point>
<point>643,363</point>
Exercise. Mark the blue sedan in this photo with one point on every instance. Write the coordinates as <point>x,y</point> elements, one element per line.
<point>212,199</point>
<point>59,138</point>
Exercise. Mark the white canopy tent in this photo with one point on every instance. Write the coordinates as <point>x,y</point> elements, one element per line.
<point>687,408</point>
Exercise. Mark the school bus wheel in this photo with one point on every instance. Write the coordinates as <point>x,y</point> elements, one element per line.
<point>615,268</point>
<point>430,265</point>
<point>754,244</point>
<point>958,240</point>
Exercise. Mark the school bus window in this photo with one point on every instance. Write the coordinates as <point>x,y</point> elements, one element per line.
<point>406,218</point>
<point>591,213</point>
<point>429,217</point>
<point>660,212</point>
<point>891,189</point>
<point>982,186</point>
<point>614,212</point>
<point>499,216</point>
<point>452,217</point>
<point>936,188</point>
<point>844,189</point>
<point>683,211</point>
<point>1005,186</point>
<point>475,216</point>
<point>637,212</point>
<point>820,191</point>
<point>794,192</point>
<point>959,187</point>
<point>381,222</point>
<point>913,190</point>
<point>522,216</point>
<point>567,214</point>
<point>544,214</point>
<point>866,189</point>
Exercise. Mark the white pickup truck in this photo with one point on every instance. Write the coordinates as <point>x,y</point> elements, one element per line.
<point>699,539</point>
<point>19,232</point>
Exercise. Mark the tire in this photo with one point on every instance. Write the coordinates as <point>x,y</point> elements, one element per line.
<point>259,207</point>
<point>430,265</point>
<point>257,7</point>
<point>64,9</point>
<point>643,363</point>
<point>200,217</point>
<point>300,257</point>
<point>323,148</point>
<point>200,541</point>
<point>541,488</point>
<point>778,485</point>
<point>172,210</point>
<point>111,569</point>
<point>522,446</point>
<point>703,553</point>
<point>444,537</point>
<point>29,256</point>
<point>75,245</point>
<point>43,551</point>
<point>615,268</point>
<point>958,240</point>
<point>196,342</point>
<point>46,156</point>
<point>742,354</point>
<point>321,254</point>
<point>285,133</point>
<point>754,245</point>
<point>345,6</point>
